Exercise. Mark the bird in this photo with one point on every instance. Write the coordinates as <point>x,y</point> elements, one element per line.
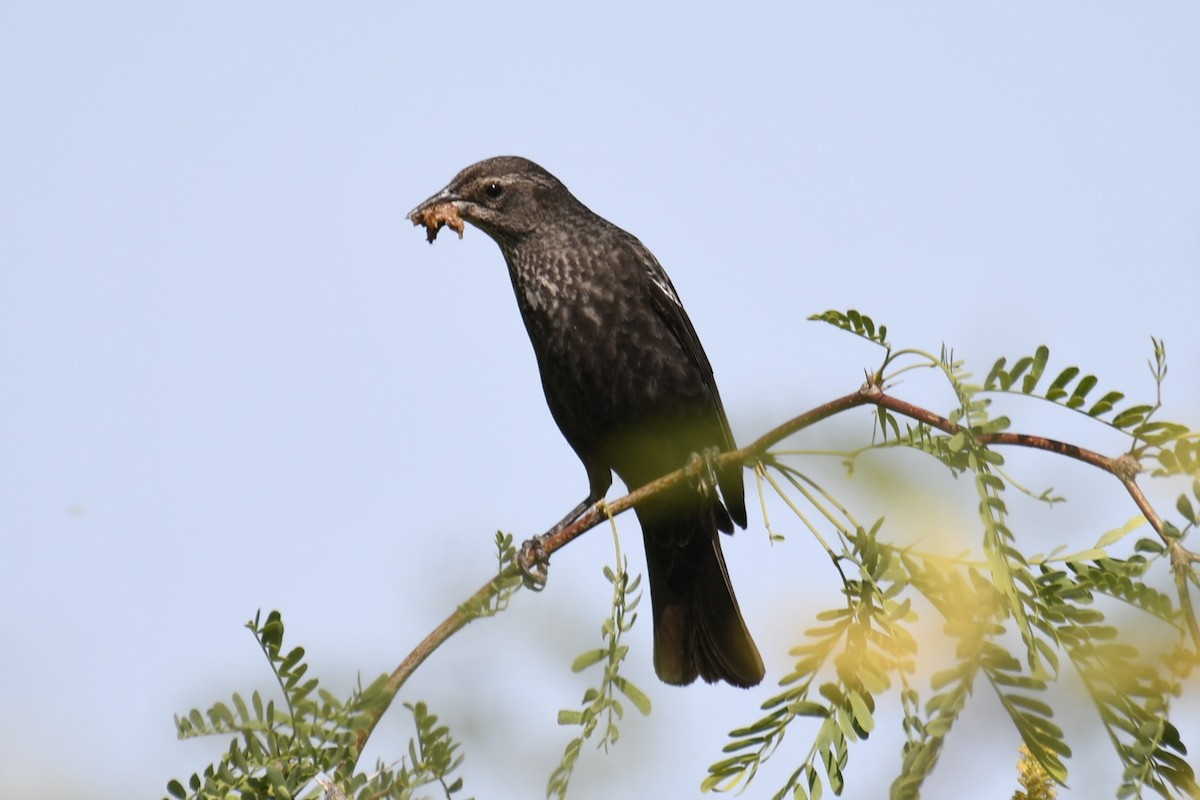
<point>631,390</point>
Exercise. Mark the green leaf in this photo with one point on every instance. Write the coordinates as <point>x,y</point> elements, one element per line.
<point>862,715</point>
<point>1116,534</point>
<point>1057,389</point>
<point>807,708</point>
<point>1039,364</point>
<point>1080,394</point>
<point>585,660</point>
<point>640,701</point>
<point>1184,506</point>
<point>1031,704</point>
<point>1018,370</point>
<point>1105,404</point>
<point>1151,546</point>
<point>1093,554</point>
<point>569,717</point>
<point>816,789</point>
<point>1131,416</point>
<point>997,375</point>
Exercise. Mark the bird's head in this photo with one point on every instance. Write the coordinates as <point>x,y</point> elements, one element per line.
<point>506,197</point>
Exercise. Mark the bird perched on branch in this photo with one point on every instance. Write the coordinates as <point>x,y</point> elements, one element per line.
<point>631,389</point>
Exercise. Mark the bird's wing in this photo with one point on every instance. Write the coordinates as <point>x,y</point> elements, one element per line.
<point>665,301</point>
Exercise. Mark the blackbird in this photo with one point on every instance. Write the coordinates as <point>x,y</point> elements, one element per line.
<point>632,391</point>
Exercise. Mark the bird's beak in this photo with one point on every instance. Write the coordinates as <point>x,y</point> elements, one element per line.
<point>447,196</point>
<point>441,209</point>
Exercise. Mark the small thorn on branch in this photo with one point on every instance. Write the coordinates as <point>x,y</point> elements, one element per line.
<point>872,387</point>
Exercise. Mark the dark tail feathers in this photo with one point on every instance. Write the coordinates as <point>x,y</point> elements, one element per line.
<point>698,628</point>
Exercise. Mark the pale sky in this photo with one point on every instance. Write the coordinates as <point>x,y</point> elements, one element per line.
<point>235,377</point>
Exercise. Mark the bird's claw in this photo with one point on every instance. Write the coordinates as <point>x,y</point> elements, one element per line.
<point>702,468</point>
<point>534,563</point>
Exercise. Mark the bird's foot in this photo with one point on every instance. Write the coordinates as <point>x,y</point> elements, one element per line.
<point>534,563</point>
<point>702,469</point>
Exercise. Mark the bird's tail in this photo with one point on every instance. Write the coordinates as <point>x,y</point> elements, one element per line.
<point>698,628</point>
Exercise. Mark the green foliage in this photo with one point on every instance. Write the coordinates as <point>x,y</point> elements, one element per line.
<point>973,611</point>
<point>856,323</point>
<point>1071,390</point>
<point>1017,623</point>
<point>868,647</point>
<point>308,747</point>
<point>1132,694</point>
<point>863,646</point>
<point>506,583</point>
<point>601,703</point>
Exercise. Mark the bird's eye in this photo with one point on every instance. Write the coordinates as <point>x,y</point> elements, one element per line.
<point>494,190</point>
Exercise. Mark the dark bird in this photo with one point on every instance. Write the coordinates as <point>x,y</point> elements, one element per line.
<point>631,389</point>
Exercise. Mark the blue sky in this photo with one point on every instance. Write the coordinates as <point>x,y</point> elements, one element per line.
<point>236,378</point>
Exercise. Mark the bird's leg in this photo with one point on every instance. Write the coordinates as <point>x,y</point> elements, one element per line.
<point>533,560</point>
<point>572,515</point>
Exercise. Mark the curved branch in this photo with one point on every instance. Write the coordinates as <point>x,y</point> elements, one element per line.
<point>553,541</point>
<point>1124,468</point>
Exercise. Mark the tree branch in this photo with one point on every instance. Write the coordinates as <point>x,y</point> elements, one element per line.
<point>1124,468</point>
